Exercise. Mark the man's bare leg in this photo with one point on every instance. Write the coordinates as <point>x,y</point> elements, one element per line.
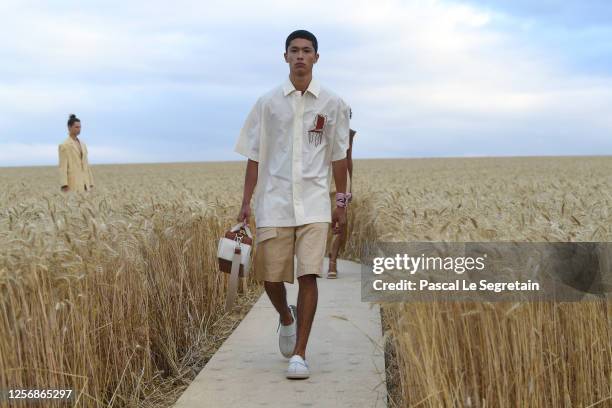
<point>308,296</point>
<point>278,296</point>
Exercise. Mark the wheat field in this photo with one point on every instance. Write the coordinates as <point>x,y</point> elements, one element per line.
<point>114,294</point>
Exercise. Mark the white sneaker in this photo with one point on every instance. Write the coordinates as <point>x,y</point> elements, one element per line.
<point>287,334</point>
<point>298,368</point>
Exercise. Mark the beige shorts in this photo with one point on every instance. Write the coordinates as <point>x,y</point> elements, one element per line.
<point>276,246</point>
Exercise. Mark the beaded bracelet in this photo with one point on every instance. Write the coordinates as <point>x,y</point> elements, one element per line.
<point>343,199</point>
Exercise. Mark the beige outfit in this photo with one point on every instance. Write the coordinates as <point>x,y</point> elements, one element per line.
<point>277,245</point>
<point>73,166</point>
<point>294,137</point>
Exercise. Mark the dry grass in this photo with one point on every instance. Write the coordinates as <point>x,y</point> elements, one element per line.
<point>115,294</point>
<point>493,355</point>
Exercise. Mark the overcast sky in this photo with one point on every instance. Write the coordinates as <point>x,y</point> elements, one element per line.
<point>159,81</point>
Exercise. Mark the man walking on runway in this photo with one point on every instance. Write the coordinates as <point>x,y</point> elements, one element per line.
<point>291,137</point>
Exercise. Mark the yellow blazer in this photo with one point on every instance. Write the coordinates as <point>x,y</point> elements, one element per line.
<point>74,169</point>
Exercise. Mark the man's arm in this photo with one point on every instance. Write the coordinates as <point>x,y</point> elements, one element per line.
<point>250,181</point>
<point>339,170</point>
<point>339,214</point>
<point>349,166</point>
<point>349,158</point>
<point>248,146</point>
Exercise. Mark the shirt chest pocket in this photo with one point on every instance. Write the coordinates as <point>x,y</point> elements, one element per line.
<point>318,132</point>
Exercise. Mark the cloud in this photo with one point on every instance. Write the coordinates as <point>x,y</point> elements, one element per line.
<point>14,154</point>
<point>570,13</point>
<point>445,74</point>
<point>174,81</point>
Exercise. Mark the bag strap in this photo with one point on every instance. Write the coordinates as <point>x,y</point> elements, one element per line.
<point>243,225</point>
<point>233,279</point>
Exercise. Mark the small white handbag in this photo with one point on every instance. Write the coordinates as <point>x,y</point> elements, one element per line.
<point>234,255</point>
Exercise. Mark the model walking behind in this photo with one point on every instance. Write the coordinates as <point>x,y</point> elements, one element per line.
<point>339,240</point>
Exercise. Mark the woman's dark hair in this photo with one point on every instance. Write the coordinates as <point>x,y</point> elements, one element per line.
<point>71,119</point>
<point>307,35</point>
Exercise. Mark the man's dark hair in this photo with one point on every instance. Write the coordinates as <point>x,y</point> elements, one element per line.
<point>307,35</point>
<point>72,119</point>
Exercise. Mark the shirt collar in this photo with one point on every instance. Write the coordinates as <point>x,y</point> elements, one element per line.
<point>313,87</point>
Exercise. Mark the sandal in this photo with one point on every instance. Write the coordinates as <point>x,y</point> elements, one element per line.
<point>332,274</point>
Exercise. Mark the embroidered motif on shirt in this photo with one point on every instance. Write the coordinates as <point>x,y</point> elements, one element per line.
<point>315,135</point>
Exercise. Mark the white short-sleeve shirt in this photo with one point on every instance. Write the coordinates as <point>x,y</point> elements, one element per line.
<point>294,137</point>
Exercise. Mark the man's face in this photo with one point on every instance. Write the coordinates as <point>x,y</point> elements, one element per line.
<point>75,129</point>
<point>301,56</point>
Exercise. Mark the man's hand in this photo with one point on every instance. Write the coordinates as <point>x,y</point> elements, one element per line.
<point>65,189</point>
<point>245,213</point>
<point>338,219</point>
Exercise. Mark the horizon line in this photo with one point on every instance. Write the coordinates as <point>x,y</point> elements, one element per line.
<point>356,159</point>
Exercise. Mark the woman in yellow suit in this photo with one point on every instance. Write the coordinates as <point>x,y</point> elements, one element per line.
<point>75,174</point>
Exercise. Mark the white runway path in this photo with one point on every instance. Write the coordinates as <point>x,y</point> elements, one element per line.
<point>345,354</point>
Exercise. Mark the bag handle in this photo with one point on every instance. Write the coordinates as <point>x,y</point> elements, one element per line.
<point>242,224</point>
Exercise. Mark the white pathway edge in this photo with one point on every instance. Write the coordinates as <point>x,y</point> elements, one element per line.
<point>345,354</point>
